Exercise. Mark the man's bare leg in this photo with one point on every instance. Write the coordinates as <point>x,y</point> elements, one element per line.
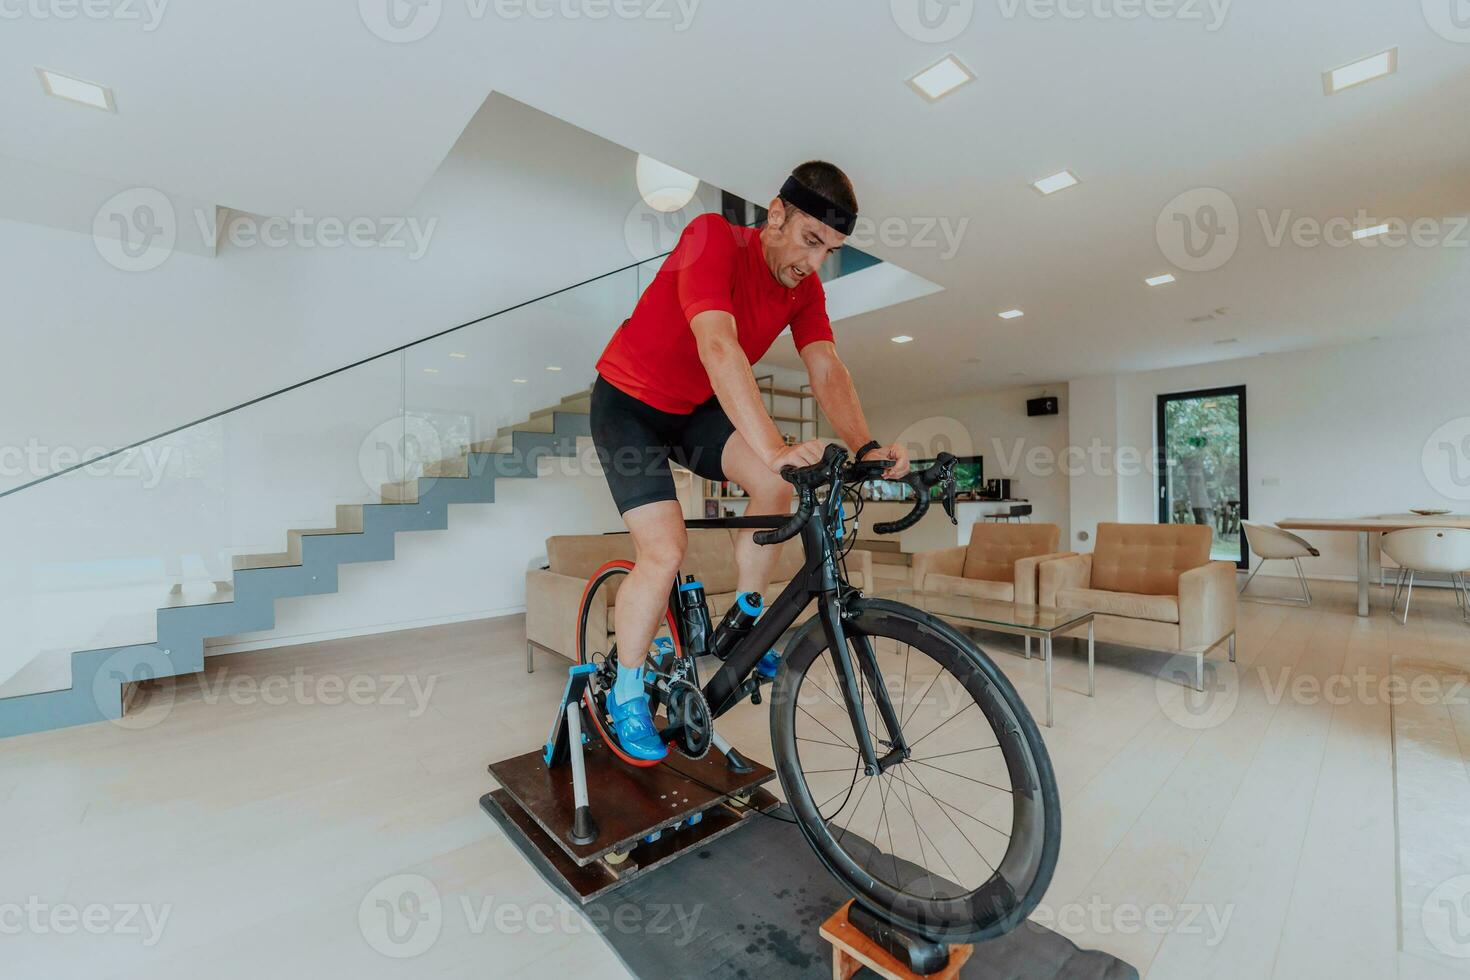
<point>769,494</point>
<point>659,540</point>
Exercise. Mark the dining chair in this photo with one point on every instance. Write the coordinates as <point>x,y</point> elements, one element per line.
<point>1273,544</point>
<point>1437,550</point>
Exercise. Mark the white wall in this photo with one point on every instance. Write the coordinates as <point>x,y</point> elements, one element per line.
<point>992,424</point>
<point>95,356</point>
<point>99,357</point>
<point>1336,432</point>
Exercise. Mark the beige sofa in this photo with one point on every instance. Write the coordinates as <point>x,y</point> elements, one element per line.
<point>554,594</point>
<point>1000,562</point>
<point>1151,585</point>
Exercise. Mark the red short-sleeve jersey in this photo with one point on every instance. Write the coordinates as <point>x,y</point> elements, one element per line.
<point>715,266</point>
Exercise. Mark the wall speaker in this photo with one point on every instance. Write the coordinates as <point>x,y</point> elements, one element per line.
<point>1045,405</point>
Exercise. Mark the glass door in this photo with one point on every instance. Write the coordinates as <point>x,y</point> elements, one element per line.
<point>1202,472</point>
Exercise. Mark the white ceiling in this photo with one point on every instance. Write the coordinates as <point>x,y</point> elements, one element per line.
<point>271,106</point>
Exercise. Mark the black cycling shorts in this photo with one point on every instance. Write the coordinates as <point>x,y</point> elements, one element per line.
<point>635,442</point>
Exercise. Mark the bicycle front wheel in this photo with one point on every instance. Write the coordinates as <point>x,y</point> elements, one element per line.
<point>959,840</point>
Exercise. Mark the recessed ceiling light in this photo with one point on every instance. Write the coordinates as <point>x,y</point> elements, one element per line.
<point>76,90</point>
<point>942,78</point>
<point>1360,71</point>
<point>1011,314</point>
<point>553,367</point>
<point>1227,340</point>
<point>1361,233</point>
<point>902,338</point>
<point>1018,374</point>
<point>459,354</point>
<point>1056,182</point>
<point>431,370</point>
<point>517,381</point>
<point>1160,280</point>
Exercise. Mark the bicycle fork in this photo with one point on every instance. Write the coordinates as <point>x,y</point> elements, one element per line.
<point>897,750</point>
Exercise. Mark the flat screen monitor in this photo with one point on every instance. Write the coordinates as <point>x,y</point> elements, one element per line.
<point>969,476</point>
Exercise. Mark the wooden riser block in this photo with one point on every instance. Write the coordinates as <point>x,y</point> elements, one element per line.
<point>851,951</point>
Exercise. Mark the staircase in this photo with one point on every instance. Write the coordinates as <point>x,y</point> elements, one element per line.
<point>100,678</point>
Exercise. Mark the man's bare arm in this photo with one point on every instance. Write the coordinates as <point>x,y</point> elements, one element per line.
<point>833,387</point>
<point>734,383</point>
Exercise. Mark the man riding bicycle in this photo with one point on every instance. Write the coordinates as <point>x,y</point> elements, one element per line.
<point>676,382</point>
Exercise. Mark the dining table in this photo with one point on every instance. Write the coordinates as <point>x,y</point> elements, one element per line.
<point>1365,527</point>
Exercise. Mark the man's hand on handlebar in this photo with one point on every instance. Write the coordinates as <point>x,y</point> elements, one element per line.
<point>799,455</point>
<point>898,454</point>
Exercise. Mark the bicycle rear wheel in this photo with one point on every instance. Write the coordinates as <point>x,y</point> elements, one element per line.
<point>595,645</point>
<point>959,840</point>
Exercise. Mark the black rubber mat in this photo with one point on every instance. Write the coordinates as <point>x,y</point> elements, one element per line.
<point>748,907</point>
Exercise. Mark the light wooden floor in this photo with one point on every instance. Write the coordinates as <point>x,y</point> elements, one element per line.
<point>1255,834</point>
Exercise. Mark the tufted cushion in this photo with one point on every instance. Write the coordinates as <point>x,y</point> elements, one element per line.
<point>1147,558</point>
<point>994,548</point>
<point>1132,605</point>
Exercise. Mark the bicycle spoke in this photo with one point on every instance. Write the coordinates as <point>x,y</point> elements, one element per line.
<point>818,741</point>
<point>855,809</point>
<point>962,776</point>
<point>945,755</point>
<point>904,721</point>
<point>946,721</point>
<point>946,806</point>
<point>944,810</point>
<point>923,835</point>
<point>829,731</point>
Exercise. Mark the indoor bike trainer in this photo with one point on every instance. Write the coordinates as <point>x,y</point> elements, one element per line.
<point>590,841</point>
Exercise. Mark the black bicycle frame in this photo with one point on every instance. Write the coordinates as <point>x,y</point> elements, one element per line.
<point>818,580</point>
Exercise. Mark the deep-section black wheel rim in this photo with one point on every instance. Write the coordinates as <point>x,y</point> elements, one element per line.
<point>1003,899</point>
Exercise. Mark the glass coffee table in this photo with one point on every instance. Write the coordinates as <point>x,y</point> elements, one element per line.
<point>1007,617</point>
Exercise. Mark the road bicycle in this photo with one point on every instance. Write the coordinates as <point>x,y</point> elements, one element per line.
<point>955,828</point>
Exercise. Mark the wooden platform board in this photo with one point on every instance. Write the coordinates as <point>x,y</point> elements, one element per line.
<point>628,802</point>
<point>591,881</point>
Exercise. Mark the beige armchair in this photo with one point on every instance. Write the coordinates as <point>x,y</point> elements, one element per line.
<point>1151,585</point>
<point>1000,562</point>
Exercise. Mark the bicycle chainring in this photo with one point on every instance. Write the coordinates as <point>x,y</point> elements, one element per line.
<point>691,726</point>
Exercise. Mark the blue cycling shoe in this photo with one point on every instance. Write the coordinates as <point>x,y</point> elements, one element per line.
<point>767,665</point>
<point>633,723</point>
